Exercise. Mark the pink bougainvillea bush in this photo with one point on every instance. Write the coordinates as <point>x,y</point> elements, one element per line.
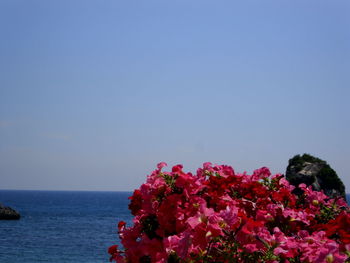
<point>218,215</point>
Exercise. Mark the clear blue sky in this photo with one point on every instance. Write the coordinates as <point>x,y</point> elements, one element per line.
<point>93,94</point>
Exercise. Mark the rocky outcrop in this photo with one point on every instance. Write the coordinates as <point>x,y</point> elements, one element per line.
<point>313,171</point>
<point>7,213</point>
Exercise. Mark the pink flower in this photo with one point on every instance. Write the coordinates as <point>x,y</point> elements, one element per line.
<point>297,215</point>
<point>161,165</point>
<point>217,214</point>
<point>179,244</point>
<point>230,216</point>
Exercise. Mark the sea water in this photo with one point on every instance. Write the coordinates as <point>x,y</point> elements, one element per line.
<point>62,226</point>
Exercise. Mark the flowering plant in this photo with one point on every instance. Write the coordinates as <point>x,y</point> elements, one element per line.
<point>218,215</point>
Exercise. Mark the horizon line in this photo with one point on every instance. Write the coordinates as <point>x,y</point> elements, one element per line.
<point>65,190</point>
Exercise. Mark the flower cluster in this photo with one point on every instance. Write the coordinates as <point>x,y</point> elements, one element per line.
<point>218,215</point>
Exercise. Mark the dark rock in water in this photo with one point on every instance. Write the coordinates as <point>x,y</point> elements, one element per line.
<point>7,213</point>
<point>313,171</point>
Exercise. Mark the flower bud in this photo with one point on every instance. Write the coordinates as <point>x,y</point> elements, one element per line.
<point>208,234</point>
<point>222,224</point>
<point>329,258</point>
<point>196,205</point>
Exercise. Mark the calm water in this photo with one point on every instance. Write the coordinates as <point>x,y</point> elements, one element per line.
<point>61,226</point>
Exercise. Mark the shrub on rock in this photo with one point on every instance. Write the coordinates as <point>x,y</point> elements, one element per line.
<point>310,170</point>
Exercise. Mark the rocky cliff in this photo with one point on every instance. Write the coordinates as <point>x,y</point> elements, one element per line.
<point>313,171</point>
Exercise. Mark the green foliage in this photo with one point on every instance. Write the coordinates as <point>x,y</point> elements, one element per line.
<point>330,179</point>
<point>150,225</point>
<point>170,180</point>
<point>173,258</point>
<point>326,214</point>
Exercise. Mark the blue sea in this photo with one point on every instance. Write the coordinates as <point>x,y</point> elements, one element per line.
<point>62,226</point>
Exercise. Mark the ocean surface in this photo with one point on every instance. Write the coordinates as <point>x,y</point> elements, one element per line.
<point>62,226</point>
